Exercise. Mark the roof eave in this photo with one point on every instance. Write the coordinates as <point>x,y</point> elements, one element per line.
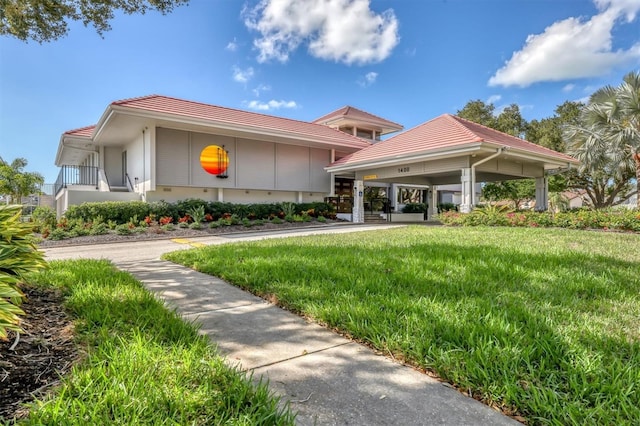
<point>355,144</point>
<point>403,159</point>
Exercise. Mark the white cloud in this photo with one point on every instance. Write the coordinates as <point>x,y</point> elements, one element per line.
<point>493,99</point>
<point>261,88</point>
<point>345,31</point>
<point>271,105</point>
<point>572,48</point>
<point>368,79</point>
<point>242,76</point>
<point>233,45</point>
<point>568,88</point>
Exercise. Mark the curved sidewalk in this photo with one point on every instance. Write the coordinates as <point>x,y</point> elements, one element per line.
<point>328,379</point>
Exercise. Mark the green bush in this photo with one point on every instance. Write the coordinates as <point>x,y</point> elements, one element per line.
<point>415,208</point>
<point>118,211</point>
<point>58,234</point>
<point>18,256</point>
<point>609,219</point>
<point>44,217</point>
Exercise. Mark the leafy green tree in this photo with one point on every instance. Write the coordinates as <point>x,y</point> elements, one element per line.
<point>548,131</point>
<point>15,182</point>
<point>607,138</point>
<point>510,121</point>
<point>516,191</point>
<point>46,20</point>
<point>478,112</point>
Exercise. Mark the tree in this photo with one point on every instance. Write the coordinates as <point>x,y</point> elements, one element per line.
<point>548,131</point>
<point>478,112</point>
<point>510,121</point>
<point>515,191</point>
<point>46,20</point>
<point>15,182</point>
<point>607,138</point>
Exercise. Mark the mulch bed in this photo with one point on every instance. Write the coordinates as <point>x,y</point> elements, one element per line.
<point>43,353</point>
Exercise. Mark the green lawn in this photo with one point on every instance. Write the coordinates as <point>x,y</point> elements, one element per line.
<point>143,364</point>
<point>542,322</point>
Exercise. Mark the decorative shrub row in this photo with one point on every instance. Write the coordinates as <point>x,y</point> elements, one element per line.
<point>122,212</point>
<point>618,219</point>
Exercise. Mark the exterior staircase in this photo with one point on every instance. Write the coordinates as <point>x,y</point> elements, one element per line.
<point>374,218</point>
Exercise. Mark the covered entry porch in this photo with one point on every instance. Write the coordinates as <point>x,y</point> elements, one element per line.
<point>449,150</point>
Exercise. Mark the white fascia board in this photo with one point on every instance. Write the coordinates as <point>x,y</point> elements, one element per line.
<point>234,127</point>
<point>83,140</point>
<point>410,158</point>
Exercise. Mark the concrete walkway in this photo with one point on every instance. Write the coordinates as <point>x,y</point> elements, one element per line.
<point>328,380</point>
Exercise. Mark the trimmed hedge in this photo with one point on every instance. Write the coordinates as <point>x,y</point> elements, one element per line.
<point>122,212</point>
<point>610,219</point>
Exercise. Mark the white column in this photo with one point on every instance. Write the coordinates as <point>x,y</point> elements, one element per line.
<point>220,194</point>
<point>299,197</point>
<point>358,202</point>
<point>433,204</point>
<point>542,194</point>
<point>393,196</point>
<point>466,204</point>
<point>332,179</point>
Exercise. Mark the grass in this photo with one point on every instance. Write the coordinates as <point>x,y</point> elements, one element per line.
<point>143,364</point>
<point>543,323</point>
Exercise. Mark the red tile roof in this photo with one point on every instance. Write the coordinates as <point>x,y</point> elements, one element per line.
<point>445,131</point>
<point>235,117</point>
<point>350,112</point>
<point>86,132</point>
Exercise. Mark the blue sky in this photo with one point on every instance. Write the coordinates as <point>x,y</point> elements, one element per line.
<point>405,60</point>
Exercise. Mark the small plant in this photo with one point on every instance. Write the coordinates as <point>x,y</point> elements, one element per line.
<point>168,227</point>
<point>214,225</point>
<point>289,218</point>
<point>58,234</point>
<point>183,225</point>
<point>165,220</point>
<point>195,225</point>
<point>247,223</point>
<point>18,257</point>
<point>321,219</point>
<point>276,220</point>
<point>184,219</point>
<point>289,209</point>
<point>197,213</point>
<point>124,229</point>
<point>298,218</point>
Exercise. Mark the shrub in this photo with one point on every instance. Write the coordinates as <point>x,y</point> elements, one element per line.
<point>44,217</point>
<point>195,225</point>
<point>58,234</point>
<point>197,213</point>
<point>276,221</point>
<point>124,229</point>
<point>610,219</point>
<point>118,211</point>
<point>99,228</point>
<point>168,227</point>
<point>321,219</point>
<point>415,208</point>
<point>18,256</point>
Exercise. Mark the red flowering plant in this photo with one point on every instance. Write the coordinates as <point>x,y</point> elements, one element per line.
<point>208,217</point>
<point>185,219</point>
<point>165,220</point>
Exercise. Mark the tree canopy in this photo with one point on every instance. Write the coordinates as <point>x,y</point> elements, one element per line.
<point>606,140</point>
<point>15,182</point>
<point>47,20</point>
